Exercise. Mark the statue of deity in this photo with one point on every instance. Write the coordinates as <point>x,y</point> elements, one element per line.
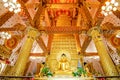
<point>63,63</point>
<point>86,67</point>
<point>42,66</point>
<point>63,66</point>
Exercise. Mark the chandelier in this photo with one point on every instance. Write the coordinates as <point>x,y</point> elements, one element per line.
<point>109,7</point>
<point>5,35</point>
<point>118,35</point>
<point>13,5</point>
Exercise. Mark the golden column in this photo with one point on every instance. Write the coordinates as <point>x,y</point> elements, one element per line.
<point>106,61</point>
<point>19,68</point>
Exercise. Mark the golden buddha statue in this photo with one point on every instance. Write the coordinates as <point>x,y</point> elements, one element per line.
<point>63,65</point>
<point>86,67</point>
<point>42,66</point>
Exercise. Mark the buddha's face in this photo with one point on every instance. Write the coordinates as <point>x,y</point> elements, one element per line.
<point>63,58</point>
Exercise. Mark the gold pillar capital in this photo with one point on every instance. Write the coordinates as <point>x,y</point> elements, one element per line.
<point>31,32</point>
<point>92,30</point>
<point>95,33</point>
<point>31,28</point>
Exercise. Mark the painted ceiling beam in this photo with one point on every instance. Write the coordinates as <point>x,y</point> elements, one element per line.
<point>43,54</point>
<point>97,18</point>
<point>90,54</point>
<point>70,29</point>
<point>37,54</point>
<point>78,44</point>
<point>10,29</point>
<point>79,19</point>
<point>84,11</point>
<point>42,44</point>
<point>26,12</point>
<point>47,19</point>
<point>117,13</point>
<point>64,31</point>
<point>5,17</point>
<point>86,15</point>
<point>109,26</point>
<point>50,38</point>
<point>36,19</point>
<point>16,27</point>
<point>85,44</point>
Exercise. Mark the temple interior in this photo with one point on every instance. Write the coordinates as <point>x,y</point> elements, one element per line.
<point>60,38</point>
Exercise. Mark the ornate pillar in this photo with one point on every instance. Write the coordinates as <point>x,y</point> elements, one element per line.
<point>106,61</point>
<point>19,68</point>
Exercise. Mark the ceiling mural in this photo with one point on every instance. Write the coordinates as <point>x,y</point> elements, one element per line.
<point>12,42</point>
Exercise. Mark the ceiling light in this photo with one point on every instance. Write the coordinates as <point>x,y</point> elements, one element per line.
<point>10,9</point>
<point>105,14</point>
<point>12,5</point>
<point>103,7</point>
<point>6,5</point>
<point>114,9</point>
<point>14,1</point>
<point>109,7</point>
<point>112,1</point>
<point>110,12</point>
<point>15,11</point>
<point>18,5</point>
<point>107,3</point>
<point>102,12</point>
<point>5,0</point>
<point>19,9</point>
<point>116,4</point>
<point>118,34</point>
<point>5,35</point>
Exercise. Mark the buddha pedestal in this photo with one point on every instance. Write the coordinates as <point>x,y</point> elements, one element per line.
<point>65,72</point>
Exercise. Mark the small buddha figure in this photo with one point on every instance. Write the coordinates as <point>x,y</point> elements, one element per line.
<point>42,66</point>
<point>86,67</point>
<point>63,63</point>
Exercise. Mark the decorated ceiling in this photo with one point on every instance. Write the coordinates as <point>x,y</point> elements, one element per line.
<point>43,15</point>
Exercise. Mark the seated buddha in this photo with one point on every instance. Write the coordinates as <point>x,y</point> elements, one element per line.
<point>63,66</point>
<point>86,67</point>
